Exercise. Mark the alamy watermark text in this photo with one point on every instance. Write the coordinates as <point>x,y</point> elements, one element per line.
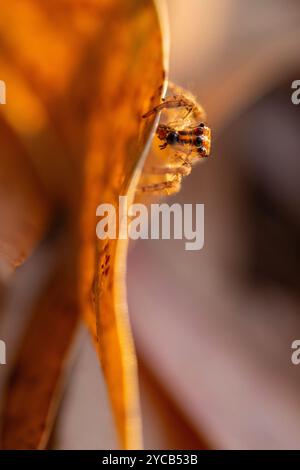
<point>157,221</point>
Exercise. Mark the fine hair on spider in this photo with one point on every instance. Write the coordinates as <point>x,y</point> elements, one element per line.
<point>184,132</point>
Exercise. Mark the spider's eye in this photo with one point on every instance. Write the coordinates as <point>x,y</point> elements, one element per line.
<point>198,130</point>
<point>198,141</point>
<point>202,151</point>
<point>172,137</point>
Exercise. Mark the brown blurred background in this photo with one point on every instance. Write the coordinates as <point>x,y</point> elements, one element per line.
<point>214,328</point>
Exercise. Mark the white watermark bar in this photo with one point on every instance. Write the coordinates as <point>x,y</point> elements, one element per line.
<point>2,92</point>
<point>296,94</point>
<point>295,357</point>
<point>2,352</point>
<point>156,221</point>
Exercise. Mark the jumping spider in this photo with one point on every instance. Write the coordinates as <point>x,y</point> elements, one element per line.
<point>187,137</point>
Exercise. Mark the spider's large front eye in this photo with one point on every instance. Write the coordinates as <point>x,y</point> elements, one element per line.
<point>198,141</point>
<point>172,137</point>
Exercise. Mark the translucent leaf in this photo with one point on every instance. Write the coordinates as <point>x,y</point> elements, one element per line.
<point>79,75</point>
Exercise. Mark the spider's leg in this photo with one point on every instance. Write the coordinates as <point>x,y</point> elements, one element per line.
<point>188,113</point>
<point>163,146</point>
<point>176,124</point>
<point>195,108</point>
<point>176,101</point>
<point>179,164</point>
<point>168,103</point>
<point>183,169</point>
<point>182,161</point>
<point>167,187</point>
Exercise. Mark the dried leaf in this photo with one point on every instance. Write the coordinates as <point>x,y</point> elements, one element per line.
<point>120,143</point>
<point>35,386</point>
<point>85,71</point>
<point>25,212</point>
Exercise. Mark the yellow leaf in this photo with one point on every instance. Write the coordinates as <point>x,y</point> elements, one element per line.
<point>79,76</point>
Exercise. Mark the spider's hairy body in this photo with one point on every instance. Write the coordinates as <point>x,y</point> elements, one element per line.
<point>183,131</point>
